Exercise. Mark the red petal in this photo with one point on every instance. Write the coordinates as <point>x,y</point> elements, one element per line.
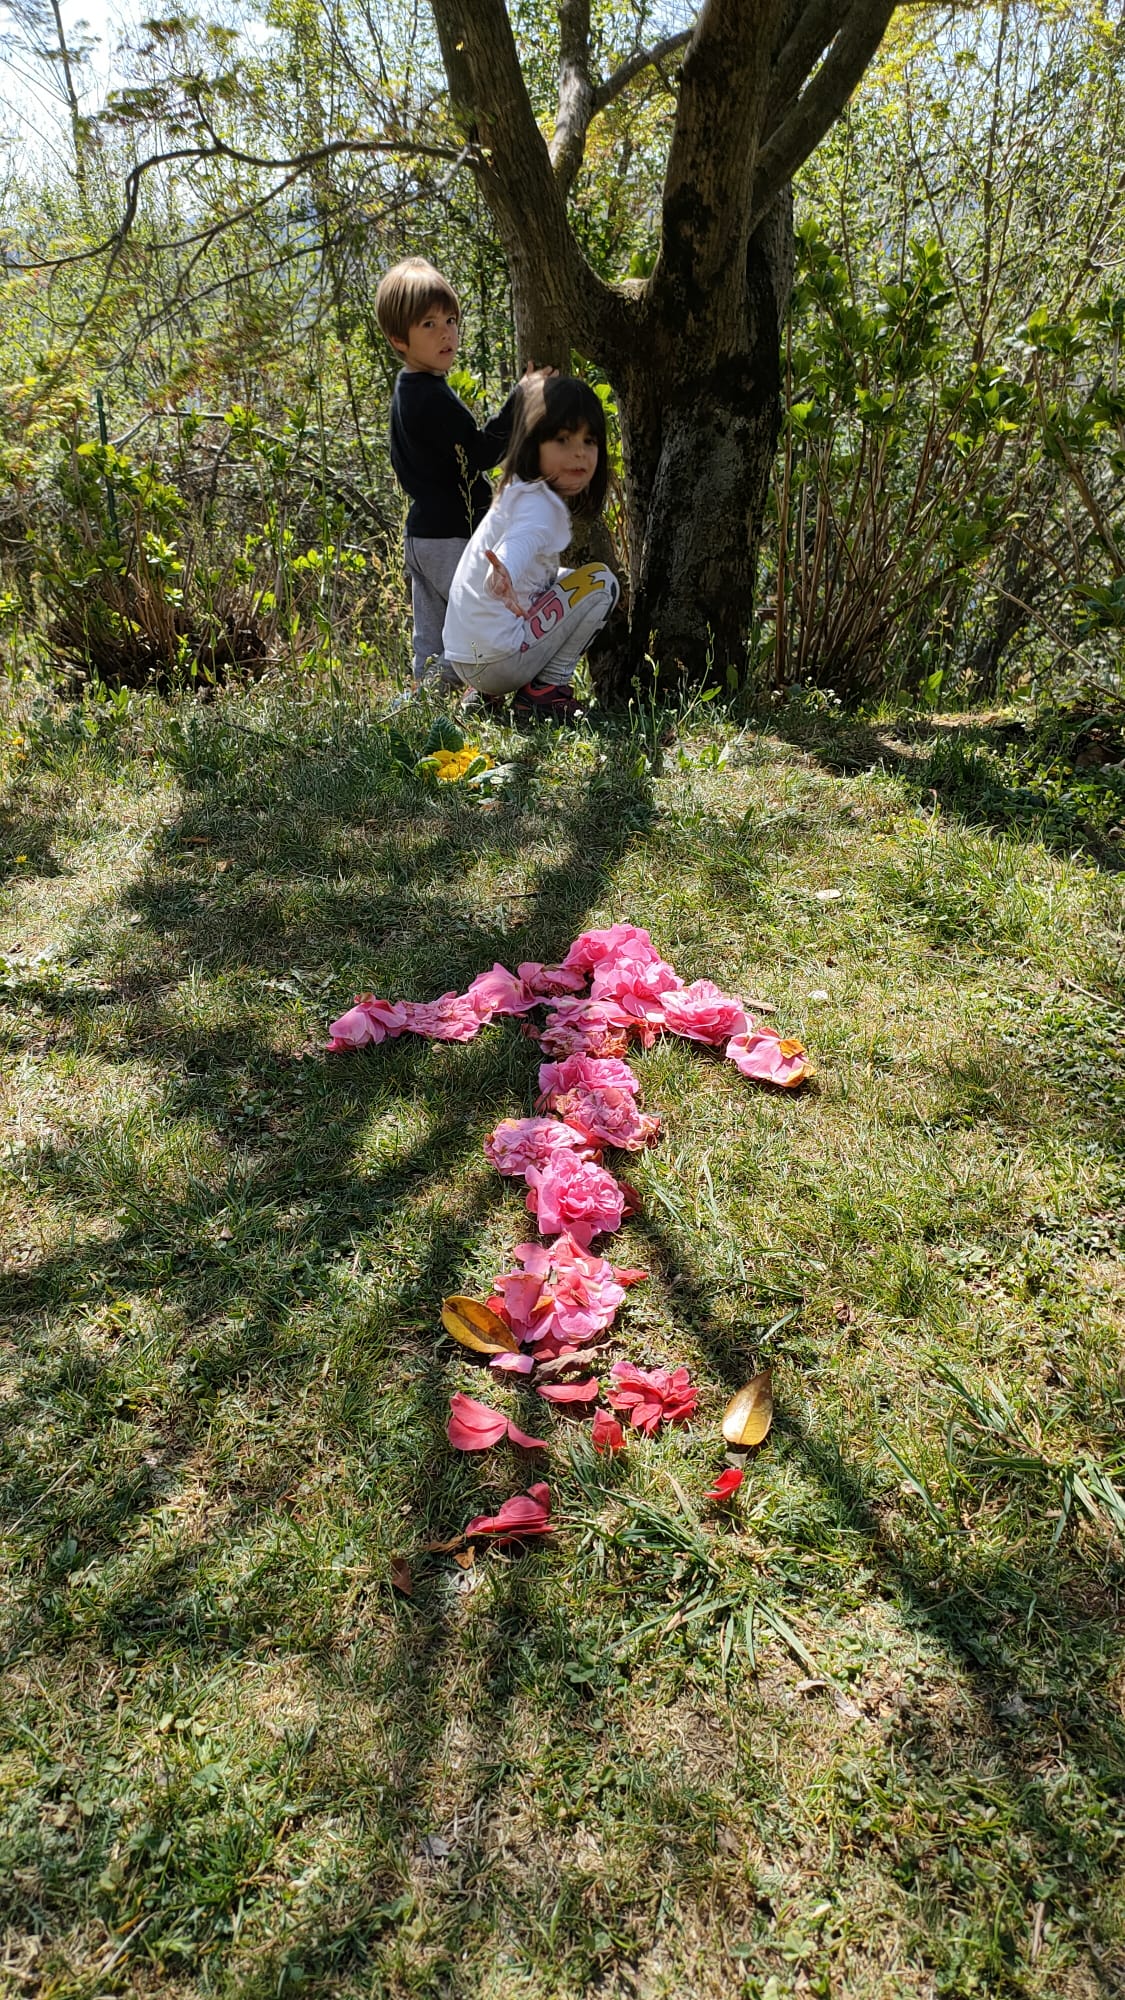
<point>521,1438</point>
<point>569,1392</point>
<point>473,1426</point>
<point>728,1482</point>
<point>525,1514</point>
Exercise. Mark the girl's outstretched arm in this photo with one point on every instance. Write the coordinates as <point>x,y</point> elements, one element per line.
<point>499,584</point>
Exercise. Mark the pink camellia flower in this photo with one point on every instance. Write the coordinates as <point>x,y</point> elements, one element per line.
<point>548,980</point>
<point>592,948</point>
<point>728,1482</point>
<point>703,1012</point>
<point>452,1018</point>
<point>761,1053</point>
<point>607,1434</point>
<point>525,1514</point>
<point>586,1027</point>
<point>652,1396</point>
<point>573,1194</point>
<point>580,1072</point>
<point>638,985</point>
<point>519,1143</point>
<point>570,1392</point>
<point>370,1020</point>
<point>565,1296</point>
<point>500,992</point>
<point>473,1426</point>
<point>608,1117</point>
<point>587,1292</point>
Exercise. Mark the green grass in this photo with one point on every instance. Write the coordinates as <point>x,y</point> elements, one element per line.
<point>862,1736</point>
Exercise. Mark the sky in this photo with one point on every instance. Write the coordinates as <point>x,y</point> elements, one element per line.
<point>32,116</point>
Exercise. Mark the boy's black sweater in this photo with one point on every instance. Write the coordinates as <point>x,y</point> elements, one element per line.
<point>440,456</point>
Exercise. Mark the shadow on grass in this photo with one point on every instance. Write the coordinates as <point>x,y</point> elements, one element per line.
<point>986,774</point>
<point>462,1692</point>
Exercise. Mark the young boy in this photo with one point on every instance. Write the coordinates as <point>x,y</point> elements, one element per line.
<point>439,455</point>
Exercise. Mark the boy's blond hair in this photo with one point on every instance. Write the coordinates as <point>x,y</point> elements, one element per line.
<point>407,292</point>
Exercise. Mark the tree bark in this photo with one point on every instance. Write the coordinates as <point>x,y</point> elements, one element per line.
<point>693,353</point>
<point>697,465</point>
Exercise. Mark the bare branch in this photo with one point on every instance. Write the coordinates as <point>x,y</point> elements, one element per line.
<point>641,59</point>
<point>292,169</point>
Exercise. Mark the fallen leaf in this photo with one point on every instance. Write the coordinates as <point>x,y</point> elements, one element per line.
<point>434,1847</point>
<point>442,1548</point>
<point>748,1415</point>
<point>844,1313</point>
<point>465,1558</point>
<point>475,1326</point>
<point>401,1578</point>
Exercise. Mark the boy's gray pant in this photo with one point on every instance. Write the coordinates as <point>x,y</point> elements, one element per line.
<point>430,565</point>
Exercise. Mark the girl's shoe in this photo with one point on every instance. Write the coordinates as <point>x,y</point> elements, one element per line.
<point>546,702</point>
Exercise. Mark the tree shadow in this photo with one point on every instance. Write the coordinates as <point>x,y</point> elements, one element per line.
<point>309,1164</point>
<point>963,765</point>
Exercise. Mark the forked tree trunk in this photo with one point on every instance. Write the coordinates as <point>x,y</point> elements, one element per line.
<point>693,351</point>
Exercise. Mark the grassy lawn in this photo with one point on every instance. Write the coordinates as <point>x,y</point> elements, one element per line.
<point>884,1755</point>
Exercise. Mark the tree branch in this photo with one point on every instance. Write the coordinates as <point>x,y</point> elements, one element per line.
<point>724,79</point>
<point>822,101</point>
<point>576,92</point>
<point>623,75</point>
<point>559,297</point>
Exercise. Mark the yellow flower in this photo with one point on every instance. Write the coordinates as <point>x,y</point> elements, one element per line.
<point>451,765</point>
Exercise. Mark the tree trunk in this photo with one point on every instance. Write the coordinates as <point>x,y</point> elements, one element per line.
<point>699,447</point>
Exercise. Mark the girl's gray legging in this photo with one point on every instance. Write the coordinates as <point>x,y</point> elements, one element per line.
<point>557,630</point>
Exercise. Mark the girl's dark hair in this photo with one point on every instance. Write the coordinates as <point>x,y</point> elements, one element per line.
<point>547,405</point>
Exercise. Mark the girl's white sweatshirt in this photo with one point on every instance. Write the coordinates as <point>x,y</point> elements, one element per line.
<point>528,527</point>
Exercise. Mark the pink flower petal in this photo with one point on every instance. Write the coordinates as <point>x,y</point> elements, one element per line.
<point>500,992</point>
<point>525,1514</point>
<point>607,1434</point>
<point>762,1054</point>
<point>703,1012</point>
<point>569,1392</point>
<point>652,1396</point>
<point>574,1195</point>
<point>512,1364</point>
<point>452,1018</point>
<point>370,1020</point>
<point>521,1438</point>
<point>473,1426</point>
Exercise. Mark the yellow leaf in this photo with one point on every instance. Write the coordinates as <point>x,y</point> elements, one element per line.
<point>477,1326</point>
<point>748,1415</point>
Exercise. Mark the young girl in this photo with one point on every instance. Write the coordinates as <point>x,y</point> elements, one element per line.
<point>515,620</point>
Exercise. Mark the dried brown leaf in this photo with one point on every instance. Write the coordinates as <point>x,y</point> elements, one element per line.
<point>401,1577</point>
<point>466,1559</point>
<point>748,1415</point>
<point>477,1327</point>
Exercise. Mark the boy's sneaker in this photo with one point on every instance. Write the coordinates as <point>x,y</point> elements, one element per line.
<point>547,702</point>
